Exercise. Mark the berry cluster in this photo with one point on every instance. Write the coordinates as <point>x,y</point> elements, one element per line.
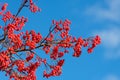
<point>18,54</point>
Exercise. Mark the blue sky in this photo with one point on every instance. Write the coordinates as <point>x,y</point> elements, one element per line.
<point>88,17</point>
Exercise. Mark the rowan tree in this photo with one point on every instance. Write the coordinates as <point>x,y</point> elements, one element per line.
<point>18,56</point>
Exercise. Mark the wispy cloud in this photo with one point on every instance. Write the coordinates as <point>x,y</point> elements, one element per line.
<point>110,12</point>
<point>110,42</point>
<point>111,77</point>
<point>110,37</point>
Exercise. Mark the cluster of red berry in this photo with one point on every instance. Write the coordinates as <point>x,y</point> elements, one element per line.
<point>15,44</point>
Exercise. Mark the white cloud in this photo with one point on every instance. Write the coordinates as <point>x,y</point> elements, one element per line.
<point>111,77</point>
<point>110,37</point>
<point>111,42</point>
<point>111,12</point>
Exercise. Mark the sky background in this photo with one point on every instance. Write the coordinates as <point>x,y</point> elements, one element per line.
<point>89,18</point>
